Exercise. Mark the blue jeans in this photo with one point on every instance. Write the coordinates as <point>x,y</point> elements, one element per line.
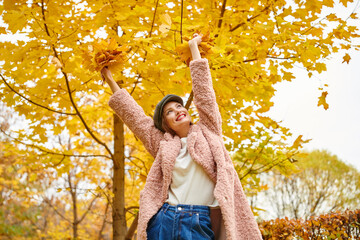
<point>181,222</point>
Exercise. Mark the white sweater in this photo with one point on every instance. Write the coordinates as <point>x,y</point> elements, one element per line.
<point>190,184</point>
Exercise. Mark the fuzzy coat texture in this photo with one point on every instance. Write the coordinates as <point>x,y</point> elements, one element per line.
<point>206,147</point>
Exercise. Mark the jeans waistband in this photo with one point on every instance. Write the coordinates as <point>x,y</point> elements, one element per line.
<point>187,208</point>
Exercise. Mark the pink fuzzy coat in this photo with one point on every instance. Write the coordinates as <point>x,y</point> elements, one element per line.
<point>206,147</point>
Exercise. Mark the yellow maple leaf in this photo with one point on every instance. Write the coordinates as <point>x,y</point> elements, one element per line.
<point>165,23</point>
<point>322,100</point>
<point>56,62</point>
<point>205,48</point>
<point>346,58</point>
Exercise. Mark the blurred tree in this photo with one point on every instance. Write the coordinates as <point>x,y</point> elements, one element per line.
<point>322,184</point>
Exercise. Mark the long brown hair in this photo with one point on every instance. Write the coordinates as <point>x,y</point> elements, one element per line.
<point>166,126</point>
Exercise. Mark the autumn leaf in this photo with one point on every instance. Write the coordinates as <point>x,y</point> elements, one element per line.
<point>346,58</point>
<point>2,30</point>
<point>322,100</point>
<point>165,23</point>
<point>104,54</point>
<point>56,62</point>
<point>205,48</point>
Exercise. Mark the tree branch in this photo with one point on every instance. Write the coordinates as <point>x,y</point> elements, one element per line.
<point>104,221</point>
<point>153,20</point>
<point>69,90</point>
<point>249,19</point>
<point>223,8</point>
<point>60,214</point>
<point>50,152</point>
<point>181,21</point>
<point>188,103</point>
<point>132,228</point>
<point>89,207</point>
<point>27,99</point>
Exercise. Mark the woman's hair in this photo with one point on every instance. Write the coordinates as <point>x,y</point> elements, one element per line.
<point>166,126</point>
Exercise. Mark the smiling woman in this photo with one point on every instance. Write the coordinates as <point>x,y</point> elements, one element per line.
<point>192,190</point>
<point>176,119</point>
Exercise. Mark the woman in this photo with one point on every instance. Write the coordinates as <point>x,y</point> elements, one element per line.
<point>192,190</point>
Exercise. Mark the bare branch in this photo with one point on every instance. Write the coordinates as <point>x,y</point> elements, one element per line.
<point>60,214</point>
<point>46,151</point>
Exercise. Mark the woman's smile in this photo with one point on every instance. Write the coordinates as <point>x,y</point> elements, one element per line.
<point>181,116</point>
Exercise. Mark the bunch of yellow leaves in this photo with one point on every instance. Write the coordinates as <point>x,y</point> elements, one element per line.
<point>205,48</point>
<point>105,54</point>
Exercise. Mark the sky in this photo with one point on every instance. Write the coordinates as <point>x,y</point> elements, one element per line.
<point>336,129</point>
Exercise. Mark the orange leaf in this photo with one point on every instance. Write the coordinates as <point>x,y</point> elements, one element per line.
<point>322,100</point>
<point>104,54</point>
<point>346,58</point>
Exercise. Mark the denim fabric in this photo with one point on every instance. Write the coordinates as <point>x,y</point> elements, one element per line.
<point>181,222</point>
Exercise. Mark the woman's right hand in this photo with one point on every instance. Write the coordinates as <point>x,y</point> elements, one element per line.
<point>106,74</point>
<point>107,77</point>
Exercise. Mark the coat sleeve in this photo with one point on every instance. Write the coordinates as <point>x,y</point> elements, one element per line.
<point>204,95</point>
<point>138,122</point>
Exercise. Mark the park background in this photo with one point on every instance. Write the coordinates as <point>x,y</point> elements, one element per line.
<point>267,61</point>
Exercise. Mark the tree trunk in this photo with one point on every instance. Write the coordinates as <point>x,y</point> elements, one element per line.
<point>119,221</point>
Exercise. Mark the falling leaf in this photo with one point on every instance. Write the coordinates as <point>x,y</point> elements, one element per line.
<point>346,58</point>
<point>322,100</point>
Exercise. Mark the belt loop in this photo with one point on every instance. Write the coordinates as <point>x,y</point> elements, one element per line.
<point>166,207</point>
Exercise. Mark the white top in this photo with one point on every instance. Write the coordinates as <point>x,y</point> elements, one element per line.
<point>190,184</point>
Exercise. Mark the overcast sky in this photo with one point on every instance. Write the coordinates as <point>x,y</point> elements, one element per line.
<point>336,129</point>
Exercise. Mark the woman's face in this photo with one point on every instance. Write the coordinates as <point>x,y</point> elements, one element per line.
<point>176,116</point>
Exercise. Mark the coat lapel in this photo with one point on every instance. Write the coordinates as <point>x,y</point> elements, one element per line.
<point>169,150</point>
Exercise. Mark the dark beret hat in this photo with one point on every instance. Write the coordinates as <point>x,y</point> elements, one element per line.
<point>158,114</point>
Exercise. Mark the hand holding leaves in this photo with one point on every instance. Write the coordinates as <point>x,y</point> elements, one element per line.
<point>205,43</point>
<point>105,54</point>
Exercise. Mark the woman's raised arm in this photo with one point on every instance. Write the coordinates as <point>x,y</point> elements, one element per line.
<point>107,76</point>
<point>133,115</point>
<point>204,94</point>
